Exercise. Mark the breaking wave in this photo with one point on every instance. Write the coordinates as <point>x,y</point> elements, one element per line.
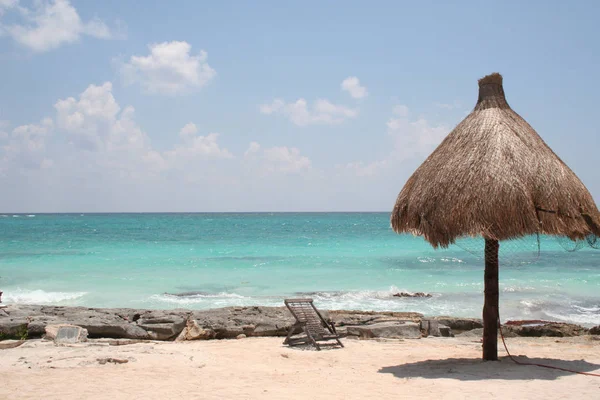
<point>221,299</point>
<point>582,312</point>
<point>22,296</point>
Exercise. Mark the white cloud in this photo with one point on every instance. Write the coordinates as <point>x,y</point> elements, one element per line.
<point>253,148</point>
<point>189,130</point>
<point>400,110</point>
<point>275,106</point>
<point>449,106</point>
<point>7,4</point>
<point>109,139</point>
<point>94,156</point>
<point>50,24</point>
<point>363,169</point>
<point>26,146</point>
<point>412,139</point>
<point>98,29</point>
<point>322,112</point>
<point>194,146</point>
<point>277,159</point>
<point>92,122</point>
<point>4,128</point>
<point>33,136</point>
<point>353,87</point>
<point>168,69</point>
<point>286,159</point>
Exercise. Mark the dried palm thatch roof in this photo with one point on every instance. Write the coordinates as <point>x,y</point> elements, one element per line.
<point>494,176</point>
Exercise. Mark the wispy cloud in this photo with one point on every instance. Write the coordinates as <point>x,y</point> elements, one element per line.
<point>322,112</point>
<point>353,87</point>
<point>170,68</point>
<point>49,25</point>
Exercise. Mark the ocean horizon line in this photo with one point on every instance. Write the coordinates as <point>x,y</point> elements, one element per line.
<point>188,212</point>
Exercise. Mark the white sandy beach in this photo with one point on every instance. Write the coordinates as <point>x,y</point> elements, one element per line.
<point>252,368</point>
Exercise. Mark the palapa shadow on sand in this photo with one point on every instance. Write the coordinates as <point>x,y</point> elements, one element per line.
<point>471,369</point>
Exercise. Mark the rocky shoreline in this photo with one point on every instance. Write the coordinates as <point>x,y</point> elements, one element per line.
<point>34,321</point>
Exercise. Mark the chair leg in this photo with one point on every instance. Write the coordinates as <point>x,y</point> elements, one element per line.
<point>291,332</point>
<point>311,339</point>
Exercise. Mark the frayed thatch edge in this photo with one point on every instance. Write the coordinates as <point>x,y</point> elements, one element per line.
<point>491,78</point>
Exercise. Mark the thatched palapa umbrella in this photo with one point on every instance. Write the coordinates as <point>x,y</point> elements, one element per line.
<point>494,177</point>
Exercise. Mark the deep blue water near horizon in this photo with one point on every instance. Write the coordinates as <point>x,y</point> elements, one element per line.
<point>342,260</point>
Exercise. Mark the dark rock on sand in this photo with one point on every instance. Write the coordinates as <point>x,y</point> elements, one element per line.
<point>12,328</point>
<point>342,317</point>
<point>18,321</point>
<point>547,329</point>
<point>459,325</point>
<point>100,323</point>
<point>193,331</point>
<point>595,330</point>
<point>390,329</point>
<point>432,327</point>
<point>10,344</point>
<point>66,334</point>
<point>552,329</point>
<point>162,325</point>
<point>407,294</point>
<point>229,322</point>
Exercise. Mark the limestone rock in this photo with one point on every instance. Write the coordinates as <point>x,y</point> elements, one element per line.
<point>473,333</point>
<point>595,330</point>
<point>343,318</point>
<point>241,336</point>
<point>193,331</point>
<point>460,324</point>
<point>229,322</point>
<point>13,328</point>
<point>10,344</point>
<point>65,333</point>
<point>432,327</point>
<point>162,325</point>
<point>551,329</point>
<point>391,329</point>
<point>445,331</point>
<point>18,321</point>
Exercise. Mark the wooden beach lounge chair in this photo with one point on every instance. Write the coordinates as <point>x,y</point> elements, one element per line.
<point>314,326</point>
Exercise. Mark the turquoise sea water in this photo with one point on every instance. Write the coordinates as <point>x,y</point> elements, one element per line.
<point>342,260</point>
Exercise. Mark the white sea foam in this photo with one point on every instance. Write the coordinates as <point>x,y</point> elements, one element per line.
<point>374,300</point>
<point>199,298</point>
<point>30,215</point>
<point>451,259</point>
<point>587,309</point>
<point>359,295</point>
<point>563,310</point>
<point>515,289</point>
<point>349,300</point>
<point>23,296</point>
<point>587,318</point>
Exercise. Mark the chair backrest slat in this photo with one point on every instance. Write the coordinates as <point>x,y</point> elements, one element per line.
<point>305,311</point>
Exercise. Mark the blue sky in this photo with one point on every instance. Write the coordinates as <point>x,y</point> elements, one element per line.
<point>272,106</point>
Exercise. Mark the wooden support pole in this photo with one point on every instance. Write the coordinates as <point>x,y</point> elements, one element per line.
<point>490,305</point>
